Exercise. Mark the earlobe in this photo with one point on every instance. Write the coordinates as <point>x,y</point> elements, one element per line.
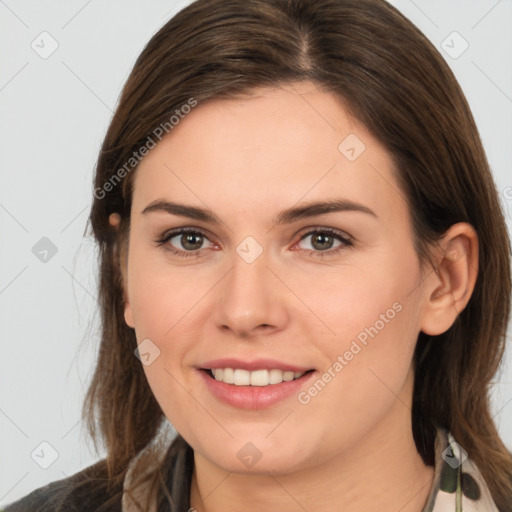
<point>449,288</point>
<point>128,318</point>
<point>115,221</point>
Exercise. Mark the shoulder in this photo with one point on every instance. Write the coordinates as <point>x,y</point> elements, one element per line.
<point>44,498</point>
<point>82,492</point>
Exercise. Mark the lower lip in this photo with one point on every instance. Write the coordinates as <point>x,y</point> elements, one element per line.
<point>254,397</point>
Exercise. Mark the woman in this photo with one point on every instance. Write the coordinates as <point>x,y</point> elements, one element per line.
<point>304,269</point>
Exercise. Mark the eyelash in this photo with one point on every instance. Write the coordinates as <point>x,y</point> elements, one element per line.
<point>345,242</point>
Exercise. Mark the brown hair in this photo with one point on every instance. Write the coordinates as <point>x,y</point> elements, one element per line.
<point>396,83</point>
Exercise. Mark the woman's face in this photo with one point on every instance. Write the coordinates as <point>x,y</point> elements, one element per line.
<point>272,278</point>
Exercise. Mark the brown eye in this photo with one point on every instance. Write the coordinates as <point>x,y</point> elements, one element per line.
<point>185,242</point>
<point>321,241</point>
<point>325,242</point>
<point>191,241</point>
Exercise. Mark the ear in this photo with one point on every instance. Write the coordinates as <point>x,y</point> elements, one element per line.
<point>128,318</point>
<point>115,220</point>
<point>449,287</point>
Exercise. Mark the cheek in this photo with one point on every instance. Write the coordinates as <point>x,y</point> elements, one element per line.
<point>373,300</point>
<point>371,317</point>
<point>165,305</point>
<point>161,299</point>
<point>162,313</point>
<point>367,366</point>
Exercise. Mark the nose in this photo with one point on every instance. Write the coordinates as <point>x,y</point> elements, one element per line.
<point>252,300</point>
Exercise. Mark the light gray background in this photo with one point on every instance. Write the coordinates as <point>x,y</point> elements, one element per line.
<point>54,114</point>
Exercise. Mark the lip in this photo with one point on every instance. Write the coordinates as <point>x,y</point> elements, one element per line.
<point>253,397</point>
<point>256,364</point>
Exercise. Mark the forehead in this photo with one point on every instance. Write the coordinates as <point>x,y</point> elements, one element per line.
<point>278,147</point>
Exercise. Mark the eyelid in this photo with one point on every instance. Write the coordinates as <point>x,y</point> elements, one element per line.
<point>344,238</point>
<point>171,233</point>
<point>324,229</point>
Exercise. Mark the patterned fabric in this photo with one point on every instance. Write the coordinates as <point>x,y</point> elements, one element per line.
<point>458,485</point>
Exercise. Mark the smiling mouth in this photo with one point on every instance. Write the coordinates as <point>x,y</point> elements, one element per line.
<point>256,378</point>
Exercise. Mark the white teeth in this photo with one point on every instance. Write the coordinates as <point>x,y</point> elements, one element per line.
<point>240,377</point>
<point>288,376</point>
<point>275,376</point>
<point>228,375</point>
<point>259,378</point>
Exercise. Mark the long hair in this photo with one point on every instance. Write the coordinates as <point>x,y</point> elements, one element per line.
<point>393,81</point>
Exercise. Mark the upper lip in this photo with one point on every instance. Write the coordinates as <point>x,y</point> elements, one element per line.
<point>255,364</point>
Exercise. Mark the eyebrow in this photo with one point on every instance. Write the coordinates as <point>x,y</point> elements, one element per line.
<point>285,217</point>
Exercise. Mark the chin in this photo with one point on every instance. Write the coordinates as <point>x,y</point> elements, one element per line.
<point>249,457</point>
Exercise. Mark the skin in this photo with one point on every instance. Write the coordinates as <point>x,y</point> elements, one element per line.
<point>351,447</point>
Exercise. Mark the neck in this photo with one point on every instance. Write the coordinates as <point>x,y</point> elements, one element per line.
<point>382,471</point>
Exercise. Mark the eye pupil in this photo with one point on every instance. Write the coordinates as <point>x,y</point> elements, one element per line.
<point>323,240</point>
<point>191,241</point>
